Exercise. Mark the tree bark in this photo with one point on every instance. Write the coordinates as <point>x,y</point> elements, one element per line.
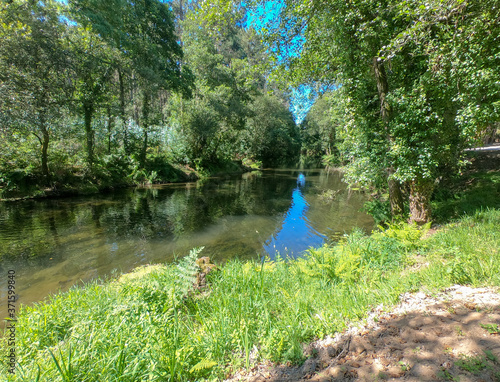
<point>420,201</point>
<point>88,110</point>
<point>45,159</point>
<point>395,193</point>
<point>45,146</point>
<point>145,127</point>
<point>110,125</point>
<point>126,146</point>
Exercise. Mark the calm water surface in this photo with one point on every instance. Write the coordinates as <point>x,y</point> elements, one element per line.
<point>54,244</point>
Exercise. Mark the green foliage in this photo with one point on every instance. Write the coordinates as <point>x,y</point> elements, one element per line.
<point>470,250</point>
<point>379,209</point>
<point>492,329</point>
<point>229,117</point>
<point>458,196</point>
<point>186,273</point>
<point>203,367</point>
<point>106,96</point>
<point>357,254</point>
<point>271,135</point>
<point>416,89</point>
<point>320,128</point>
<point>140,327</point>
<point>472,364</point>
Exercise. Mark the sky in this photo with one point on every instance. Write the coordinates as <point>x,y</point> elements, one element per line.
<point>303,96</point>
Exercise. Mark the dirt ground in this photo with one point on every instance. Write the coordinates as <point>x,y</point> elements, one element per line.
<point>454,336</point>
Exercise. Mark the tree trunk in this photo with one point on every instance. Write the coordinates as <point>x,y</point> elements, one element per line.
<point>126,146</point>
<point>145,127</point>
<point>41,106</point>
<point>45,159</point>
<point>88,109</point>
<point>395,194</point>
<point>420,201</point>
<point>110,125</point>
<point>45,147</point>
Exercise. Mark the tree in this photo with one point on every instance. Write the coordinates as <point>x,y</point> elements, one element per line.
<point>157,58</point>
<point>411,73</point>
<point>92,63</point>
<point>271,135</point>
<point>225,83</point>
<point>34,81</point>
<point>319,128</point>
<point>144,34</point>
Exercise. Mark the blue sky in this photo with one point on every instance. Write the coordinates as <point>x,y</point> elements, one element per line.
<point>304,96</point>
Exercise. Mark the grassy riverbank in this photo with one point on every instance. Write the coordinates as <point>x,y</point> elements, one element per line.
<point>148,326</point>
<point>111,173</point>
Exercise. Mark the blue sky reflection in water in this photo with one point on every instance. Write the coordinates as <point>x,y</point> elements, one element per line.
<point>296,233</point>
<point>56,243</point>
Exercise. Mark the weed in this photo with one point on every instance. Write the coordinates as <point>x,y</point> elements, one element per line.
<point>459,331</point>
<point>491,328</point>
<point>404,366</point>
<point>490,356</point>
<point>472,364</point>
<point>446,375</point>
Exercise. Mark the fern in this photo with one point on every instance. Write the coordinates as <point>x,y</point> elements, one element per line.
<point>186,272</point>
<point>203,365</point>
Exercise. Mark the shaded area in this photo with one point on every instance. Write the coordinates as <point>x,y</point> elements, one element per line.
<point>447,343</point>
<point>477,189</point>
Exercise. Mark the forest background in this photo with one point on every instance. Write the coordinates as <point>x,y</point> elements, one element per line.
<point>98,94</point>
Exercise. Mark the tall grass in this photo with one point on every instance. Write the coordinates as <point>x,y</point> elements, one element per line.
<point>139,328</point>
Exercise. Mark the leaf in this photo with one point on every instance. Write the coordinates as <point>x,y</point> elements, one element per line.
<point>186,272</point>
<point>203,365</point>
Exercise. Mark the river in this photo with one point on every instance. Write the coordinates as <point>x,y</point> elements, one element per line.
<point>53,244</point>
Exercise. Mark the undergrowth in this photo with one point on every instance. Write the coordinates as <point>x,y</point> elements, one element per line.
<point>138,328</point>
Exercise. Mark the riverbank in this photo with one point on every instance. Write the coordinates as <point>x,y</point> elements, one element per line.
<point>106,179</point>
<point>152,324</point>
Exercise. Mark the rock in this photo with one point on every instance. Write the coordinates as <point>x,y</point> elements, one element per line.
<point>309,366</point>
<point>206,266</point>
<point>332,351</point>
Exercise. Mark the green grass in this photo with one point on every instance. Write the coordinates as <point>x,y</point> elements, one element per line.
<point>466,195</point>
<point>472,364</point>
<point>144,326</point>
<point>491,328</point>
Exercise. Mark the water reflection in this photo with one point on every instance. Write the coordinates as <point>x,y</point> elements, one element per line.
<point>296,233</point>
<point>53,244</point>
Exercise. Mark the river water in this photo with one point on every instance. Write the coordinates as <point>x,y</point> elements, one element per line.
<point>56,243</point>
